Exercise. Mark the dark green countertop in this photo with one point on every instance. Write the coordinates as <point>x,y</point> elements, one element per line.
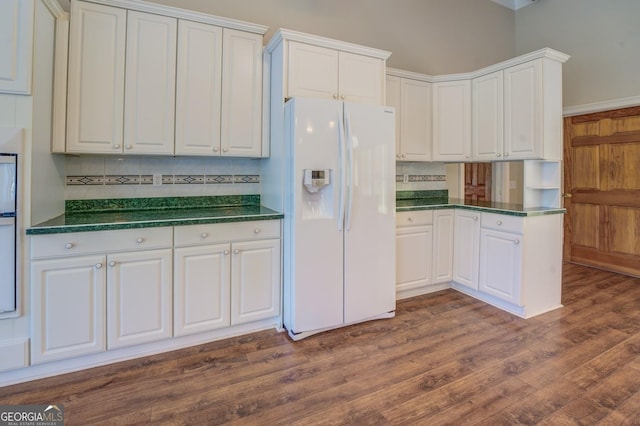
<point>101,215</point>
<point>437,200</point>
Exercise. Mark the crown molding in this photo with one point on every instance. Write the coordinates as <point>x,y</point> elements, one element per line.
<point>601,106</point>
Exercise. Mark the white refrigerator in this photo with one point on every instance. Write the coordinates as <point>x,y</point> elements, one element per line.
<point>339,226</point>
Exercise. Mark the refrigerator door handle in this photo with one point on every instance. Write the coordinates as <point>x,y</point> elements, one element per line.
<point>350,171</point>
<point>343,164</point>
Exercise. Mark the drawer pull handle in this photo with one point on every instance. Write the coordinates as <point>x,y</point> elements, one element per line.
<point>112,263</point>
<point>139,240</point>
<point>226,252</point>
<point>236,251</point>
<point>257,230</point>
<point>68,246</point>
<point>516,242</point>
<point>204,235</point>
<point>499,222</point>
<point>98,265</point>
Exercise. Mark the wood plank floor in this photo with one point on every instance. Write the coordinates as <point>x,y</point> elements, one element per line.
<point>444,359</point>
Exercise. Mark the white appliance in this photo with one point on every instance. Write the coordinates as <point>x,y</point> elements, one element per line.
<point>339,226</point>
<point>8,183</point>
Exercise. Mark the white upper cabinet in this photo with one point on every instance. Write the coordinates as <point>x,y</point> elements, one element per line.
<point>95,102</point>
<point>452,120</point>
<point>198,89</point>
<point>16,36</point>
<point>488,117</point>
<point>241,94</point>
<point>150,82</point>
<point>312,66</point>
<point>411,98</point>
<point>144,79</point>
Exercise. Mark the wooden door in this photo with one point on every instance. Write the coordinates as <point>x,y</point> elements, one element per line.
<point>602,185</point>
<point>477,181</point>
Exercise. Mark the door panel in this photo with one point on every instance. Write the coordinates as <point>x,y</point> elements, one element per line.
<point>477,181</point>
<point>602,159</point>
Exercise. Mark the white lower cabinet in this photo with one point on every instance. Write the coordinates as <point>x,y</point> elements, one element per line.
<point>68,307</point>
<point>139,297</point>
<point>92,291</point>
<point>500,263</point>
<point>466,248</point>
<point>424,250</point>
<point>226,274</point>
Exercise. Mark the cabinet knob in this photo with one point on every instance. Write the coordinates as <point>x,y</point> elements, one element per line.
<point>475,218</point>
<point>98,265</point>
<point>342,97</point>
<point>69,245</point>
<point>335,96</point>
<point>225,149</point>
<point>506,154</point>
<point>236,251</point>
<point>257,230</point>
<point>516,242</point>
<point>139,240</point>
<point>112,263</point>
<point>398,156</point>
<point>204,235</point>
<point>129,146</point>
<point>216,149</point>
<point>404,156</point>
<point>410,219</point>
<point>116,146</point>
<point>498,154</point>
<point>226,252</point>
<point>499,222</point>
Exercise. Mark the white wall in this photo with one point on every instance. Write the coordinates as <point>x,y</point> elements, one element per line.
<point>602,37</point>
<point>427,36</point>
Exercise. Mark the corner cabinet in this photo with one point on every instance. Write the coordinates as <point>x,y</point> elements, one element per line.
<point>143,79</point>
<point>452,121</point>
<point>410,95</point>
<point>313,66</point>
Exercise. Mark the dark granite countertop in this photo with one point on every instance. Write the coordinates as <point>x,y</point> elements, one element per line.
<point>111,214</point>
<point>436,200</point>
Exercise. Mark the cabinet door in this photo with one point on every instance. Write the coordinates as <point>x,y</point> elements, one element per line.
<point>139,297</point>
<point>523,119</point>
<point>393,100</point>
<point>95,103</point>
<point>201,288</point>
<point>360,78</point>
<point>67,307</point>
<point>500,264</point>
<point>16,38</point>
<point>150,84</point>
<point>452,121</point>
<point>415,122</point>
<point>413,257</point>
<point>241,94</point>
<point>255,280</point>
<point>312,71</point>
<point>488,117</point>
<point>198,89</point>
<point>466,248</point>
<point>443,221</point>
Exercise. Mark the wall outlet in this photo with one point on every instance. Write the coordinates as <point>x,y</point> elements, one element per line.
<point>405,178</point>
<point>157,179</point>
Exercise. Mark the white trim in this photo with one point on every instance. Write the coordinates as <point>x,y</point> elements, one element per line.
<point>143,6</point>
<point>54,7</point>
<point>601,106</point>
<point>285,34</point>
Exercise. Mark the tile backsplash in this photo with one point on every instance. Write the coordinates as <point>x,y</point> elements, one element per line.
<point>420,176</point>
<point>97,177</point>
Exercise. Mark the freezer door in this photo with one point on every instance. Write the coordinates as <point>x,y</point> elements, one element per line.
<point>313,261</point>
<point>7,264</point>
<point>369,288</point>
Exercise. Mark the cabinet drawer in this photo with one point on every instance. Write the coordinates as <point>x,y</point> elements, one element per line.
<point>75,243</point>
<point>418,217</point>
<point>224,232</point>
<point>501,222</point>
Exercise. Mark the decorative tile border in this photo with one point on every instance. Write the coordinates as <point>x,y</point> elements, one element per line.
<point>422,178</point>
<point>166,179</point>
